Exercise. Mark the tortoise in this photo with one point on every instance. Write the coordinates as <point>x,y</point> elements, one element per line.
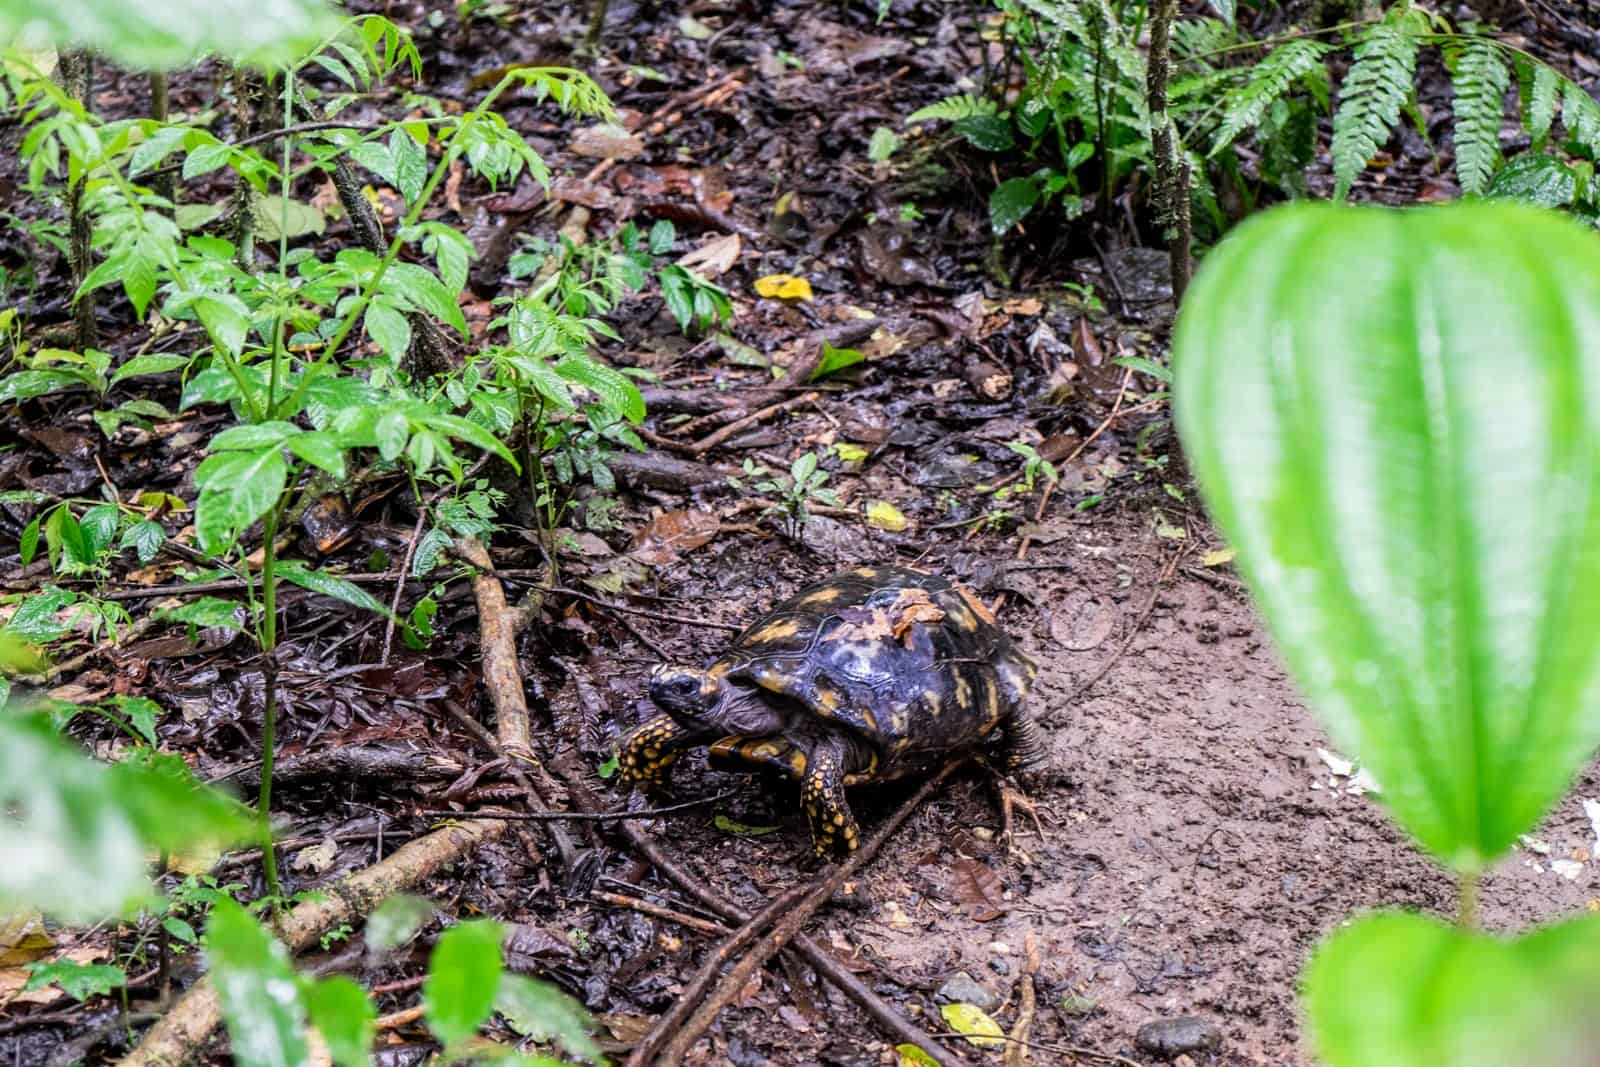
<point>873,674</point>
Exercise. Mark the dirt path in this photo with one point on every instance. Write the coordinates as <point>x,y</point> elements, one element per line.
<point>1196,850</point>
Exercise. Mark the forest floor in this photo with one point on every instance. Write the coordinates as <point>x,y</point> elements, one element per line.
<point>1199,832</point>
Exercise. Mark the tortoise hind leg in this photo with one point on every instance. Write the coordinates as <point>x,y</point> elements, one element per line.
<point>649,750</point>
<point>1024,753</point>
<point>833,827</point>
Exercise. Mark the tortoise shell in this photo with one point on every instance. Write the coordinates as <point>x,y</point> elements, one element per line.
<point>909,662</point>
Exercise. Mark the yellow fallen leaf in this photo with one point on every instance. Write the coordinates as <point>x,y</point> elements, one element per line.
<point>849,453</point>
<point>783,287</point>
<point>23,938</point>
<point>973,1021</point>
<point>1217,557</point>
<point>885,516</point>
<point>912,1056</point>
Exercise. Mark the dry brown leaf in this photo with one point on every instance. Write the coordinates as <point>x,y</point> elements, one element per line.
<point>978,889</point>
<point>714,258</point>
<point>911,607</point>
<point>317,858</point>
<point>23,938</point>
<point>671,534</point>
<point>606,141</point>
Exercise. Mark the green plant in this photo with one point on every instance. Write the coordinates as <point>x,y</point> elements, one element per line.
<point>1425,544</point>
<point>796,491</point>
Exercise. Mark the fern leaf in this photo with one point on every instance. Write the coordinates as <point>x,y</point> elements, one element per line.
<point>1197,38</point>
<point>1379,81</point>
<point>1581,115</point>
<point>953,109</point>
<point>1480,80</point>
<point>1244,108</point>
<point>1539,88</point>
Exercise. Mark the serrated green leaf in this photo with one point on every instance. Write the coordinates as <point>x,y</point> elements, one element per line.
<point>27,384</point>
<point>616,391</point>
<point>142,714</point>
<point>1344,392</point>
<point>320,449</point>
<point>250,437</point>
<point>410,165</point>
<point>991,133</point>
<point>418,285</point>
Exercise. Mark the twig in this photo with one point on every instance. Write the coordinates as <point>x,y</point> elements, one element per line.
<point>1138,624</point>
<point>717,437</point>
<point>234,585</point>
<point>659,616</point>
<point>1060,1050</point>
<point>400,587</point>
<point>535,798</point>
<point>672,1022</point>
<point>644,907</point>
<point>576,816</point>
<point>396,1019</point>
<point>181,1032</point>
<point>498,646</point>
<point>1027,1003</point>
<point>789,926</point>
<point>821,960</point>
<point>1116,409</point>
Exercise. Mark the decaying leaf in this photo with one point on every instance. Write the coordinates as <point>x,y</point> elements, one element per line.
<point>881,513</point>
<point>1217,557</point>
<point>909,608</point>
<point>714,258</point>
<point>671,534</point>
<point>979,608</point>
<point>783,287</point>
<point>318,857</point>
<point>912,1056</point>
<point>975,1023</point>
<point>606,141</point>
<point>728,826</point>
<point>978,889</point>
<point>23,938</point>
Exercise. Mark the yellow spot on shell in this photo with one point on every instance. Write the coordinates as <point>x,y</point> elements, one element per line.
<point>826,595</point>
<point>934,702</point>
<point>868,573</point>
<point>775,631</point>
<point>963,692</point>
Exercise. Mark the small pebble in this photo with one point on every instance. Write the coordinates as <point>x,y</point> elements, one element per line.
<point>1172,1037</point>
<point>962,988</point>
<point>1000,967</point>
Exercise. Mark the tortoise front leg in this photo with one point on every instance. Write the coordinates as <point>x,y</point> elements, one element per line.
<point>833,827</point>
<point>649,750</point>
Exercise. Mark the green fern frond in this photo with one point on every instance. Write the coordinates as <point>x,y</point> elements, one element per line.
<point>1245,107</point>
<point>953,109</point>
<point>1539,90</point>
<point>1093,23</point>
<point>1200,37</point>
<point>1379,81</point>
<point>1581,115</point>
<point>1480,80</point>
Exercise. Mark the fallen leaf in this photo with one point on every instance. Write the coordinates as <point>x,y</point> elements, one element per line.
<point>881,513</point>
<point>783,287</point>
<point>606,141</point>
<point>975,1023</point>
<point>673,533</point>
<point>1338,765</point>
<point>1217,557</point>
<point>909,608</point>
<point>849,453</point>
<point>716,257</point>
<point>978,889</point>
<point>912,1056</point>
<point>317,858</point>
<point>23,938</point>
<point>728,826</point>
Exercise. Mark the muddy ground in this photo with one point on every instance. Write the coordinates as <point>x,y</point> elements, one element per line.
<point>1195,842</point>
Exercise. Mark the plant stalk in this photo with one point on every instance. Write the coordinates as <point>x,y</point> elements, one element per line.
<point>1467,902</point>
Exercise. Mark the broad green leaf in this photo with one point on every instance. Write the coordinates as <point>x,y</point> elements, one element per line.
<point>206,612</point>
<point>27,384</point>
<point>170,34</point>
<point>320,449</point>
<point>256,982</point>
<point>541,1011</point>
<point>77,832</point>
<point>393,430</point>
<point>1405,990</point>
<point>418,285</point>
<point>235,492</point>
<point>343,1013</point>
<point>1010,203</point>
<point>145,538</point>
<point>395,921</point>
<point>142,712</point>
<point>410,165</point>
<point>472,434</point>
<point>991,133</point>
<point>293,570</point>
<point>390,329</point>
<point>150,363</point>
<point>463,979</point>
<point>80,981</point>
<point>226,320</point>
<point>835,360</point>
<point>1535,179</point>
<point>252,436</point>
<point>1395,417</point>
<point>975,1023</point>
<point>292,218</point>
<point>619,395</point>
<point>1146,366</point>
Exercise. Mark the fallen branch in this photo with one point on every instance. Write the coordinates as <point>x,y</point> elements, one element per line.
<point>672,1022</point>
<point>717,437</point>
<point>1027,1004</point>
<point>179,1035</point>
<point>821,960</point>
<point>498,645</point>
<point>790,925</point>
<point>644,907</point>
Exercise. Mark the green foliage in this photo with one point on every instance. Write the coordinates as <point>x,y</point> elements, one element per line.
<point>1378,83</point>
<point>835,360</point>
<point>796,490</point>
<point>1405,990</point>
<point>80,981</point>
<point>954,109</point>
<point>1268,82</point>
<point>85,829</point>
<point>171,34</point>
<point>257,985</point>
<point>463,978</point>
<point>1480,79</point>
<point>1444,636</point>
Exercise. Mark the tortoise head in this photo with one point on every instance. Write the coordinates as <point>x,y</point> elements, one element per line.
<point>688,694</point>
